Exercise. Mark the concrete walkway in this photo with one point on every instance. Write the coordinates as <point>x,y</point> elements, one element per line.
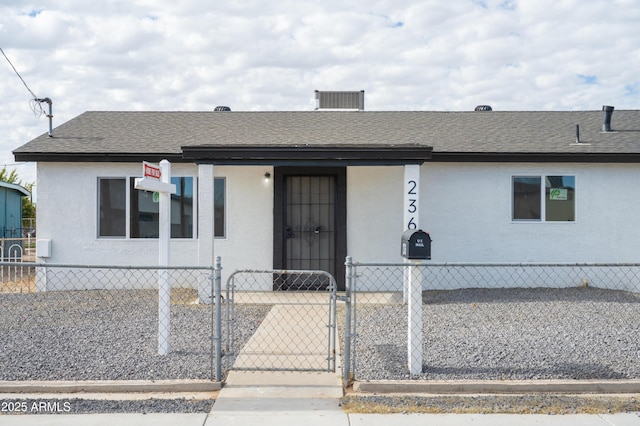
<point>266,399</point>
<point>291,336</point>
<point>294,337</point>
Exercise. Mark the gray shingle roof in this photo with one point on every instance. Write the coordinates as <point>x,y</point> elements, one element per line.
<point>486,133</point>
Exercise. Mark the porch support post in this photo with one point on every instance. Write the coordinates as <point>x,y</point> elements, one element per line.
<point>206,254</point>
<point>413,276</point>
<point>411,219</point>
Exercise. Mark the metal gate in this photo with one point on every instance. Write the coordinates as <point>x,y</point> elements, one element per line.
<point>291,329</point>
<point>310,203</point>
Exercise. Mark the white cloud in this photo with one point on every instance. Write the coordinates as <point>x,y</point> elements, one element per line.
<point>255,55</point>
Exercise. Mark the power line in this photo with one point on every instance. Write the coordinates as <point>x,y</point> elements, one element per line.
<point>22,163</point>
<point>17,73</point>
<point>35,102</point>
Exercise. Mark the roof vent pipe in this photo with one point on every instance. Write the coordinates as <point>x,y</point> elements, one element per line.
<point>607,112</point>
<point>50,115</point>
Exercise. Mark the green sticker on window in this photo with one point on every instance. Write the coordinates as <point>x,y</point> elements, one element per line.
<point>156,197</point>
<point>558,194</point>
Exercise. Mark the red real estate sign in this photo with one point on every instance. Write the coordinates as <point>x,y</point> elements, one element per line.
<point>151,170</point>
<point>152,179</point>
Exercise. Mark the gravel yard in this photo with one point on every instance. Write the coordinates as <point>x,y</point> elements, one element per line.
<point>575,333</point>
<point>491,334</point>
<point>20,405</point>
<point>487,334</point>
<point>107,335</point>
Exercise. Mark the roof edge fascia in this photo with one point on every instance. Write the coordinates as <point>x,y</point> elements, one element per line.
<point>536,157</point>
<point>96,157</point>
<point>352,155</point>
<point>370,154</point>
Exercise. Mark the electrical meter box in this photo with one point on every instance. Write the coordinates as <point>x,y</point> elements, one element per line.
<point>43,248</point>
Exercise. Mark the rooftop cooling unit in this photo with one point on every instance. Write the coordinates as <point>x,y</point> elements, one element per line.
<point>326,100</point>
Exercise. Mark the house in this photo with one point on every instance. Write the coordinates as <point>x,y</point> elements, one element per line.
<point>304,189</point>
<point>11,220</point>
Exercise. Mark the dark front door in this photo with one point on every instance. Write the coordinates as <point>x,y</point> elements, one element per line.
<point>311,221</point>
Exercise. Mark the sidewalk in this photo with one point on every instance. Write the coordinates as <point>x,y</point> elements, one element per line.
<point>291,412</point>
<point>310,399</point>
<point>279,398</point>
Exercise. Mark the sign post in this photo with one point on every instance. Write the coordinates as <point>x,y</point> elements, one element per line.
<point>158,179</point>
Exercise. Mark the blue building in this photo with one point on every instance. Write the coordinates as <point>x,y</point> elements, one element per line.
<point>11,209</point>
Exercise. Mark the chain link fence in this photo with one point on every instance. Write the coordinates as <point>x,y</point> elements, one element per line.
<point>76,322</point>
<point>475,321</point>
<point>294,327</point>
<point>494,321</point>
<point>73,322</point>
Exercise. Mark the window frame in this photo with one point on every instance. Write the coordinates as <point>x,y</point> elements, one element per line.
<point>128,203</point>
<point>99,208</point>
<point>127,213</point>
<point>543,197</point>
<point>135,197</point>
<point>224,208</point>
<point>513,198</point>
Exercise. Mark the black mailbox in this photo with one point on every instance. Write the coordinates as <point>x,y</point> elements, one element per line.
<point>416,245</point>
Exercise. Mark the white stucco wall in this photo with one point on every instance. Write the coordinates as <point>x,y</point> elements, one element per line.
<point>68,216</point>
<point>374,213</point>
<point>465,207</point>
<point>249,235</point>
<point>467,210</point>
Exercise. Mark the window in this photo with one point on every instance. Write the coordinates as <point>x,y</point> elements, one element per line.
<point>557,202</point>
<point>112,207</point>
<point>560,198</point>
<point>143,212</point>
<point>219,207</point>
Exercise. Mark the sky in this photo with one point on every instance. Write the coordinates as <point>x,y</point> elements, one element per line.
<point>258,55</point>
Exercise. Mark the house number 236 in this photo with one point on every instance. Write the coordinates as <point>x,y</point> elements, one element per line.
<point>412,204</point>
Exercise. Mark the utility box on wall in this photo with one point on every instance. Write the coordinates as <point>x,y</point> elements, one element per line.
<point>43,248</point>
<point>416,245</point>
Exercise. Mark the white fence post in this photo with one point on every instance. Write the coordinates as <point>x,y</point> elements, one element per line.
<point>414,309</point>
